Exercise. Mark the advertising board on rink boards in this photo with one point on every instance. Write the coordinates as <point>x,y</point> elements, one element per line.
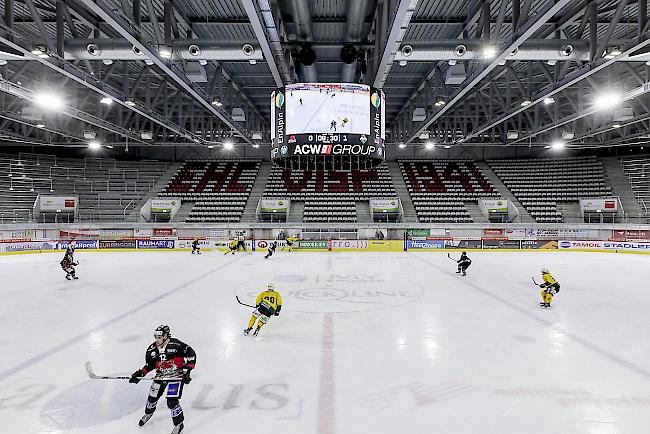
<point>425,244</point>
<point>605,246</point>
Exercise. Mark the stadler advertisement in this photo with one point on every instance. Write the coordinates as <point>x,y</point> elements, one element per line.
<point>328,119</point>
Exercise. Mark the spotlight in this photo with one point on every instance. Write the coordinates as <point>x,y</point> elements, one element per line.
<point>40,51</point>
<point>256,146</point>
<point>525,102</point>
<point>48,100</point>
<point>616,126</point>
<point>402,145</point>
<point>109,146</point>
<point>440,101</point>
<point>429,145</point>
<point>216,101</point>
<point>165,51</point>
<point>106,100</point>
<point>94,145</point>
<point>607,100</point>
<point>130,101</point>
<point>403,63</point>
<point>210,146</point>
<point>228,145</point>
<point>557,145</point>
<point>40,125</point>
<point>549,100</point>
<point>489,52</point>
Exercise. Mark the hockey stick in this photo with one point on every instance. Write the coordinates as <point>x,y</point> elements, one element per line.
<point>449,256</point>
<point>244,304</point>
<point>91,374</point>
<point>536,284</point>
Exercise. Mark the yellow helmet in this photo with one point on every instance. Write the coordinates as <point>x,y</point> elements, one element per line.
<point>270,287</point>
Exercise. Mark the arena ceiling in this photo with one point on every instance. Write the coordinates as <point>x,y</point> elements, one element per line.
<point>200,72</point>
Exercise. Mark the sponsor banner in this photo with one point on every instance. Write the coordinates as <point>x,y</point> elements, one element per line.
<point>208,243</point>
<point>143,232</point>
<point>551,234</point>
<point>624,235</point>
<point>580,245</point>
<point>163,232</point>
<point>515,233</point>
<point>312,245</point>
<point>539,244</point>
<point>79,233</point>
<point>495,205</point>
<point>264,244</point>
<point>418,232</point>
<point>117,244</point>
<point>384,205</point>
<point>162,205</point>
<point>349,244</point>
<point>26,246</point>
<point>501,244</point>
<point>425,244</point>
<point>115,233</point>
<point>626,246</point>
<point>57,203</point>
<point>463,244</point>
<point>599,205</point>
<point>385,246</point>
<point>78,244</point>
<point>273,205</point>
<point>25,234</point>
<point>489,232</point>
<point>155,244</point>
<point>218,233</point>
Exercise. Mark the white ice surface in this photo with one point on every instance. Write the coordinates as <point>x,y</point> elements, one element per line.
<point>319,109</point>
<point>366,343</point>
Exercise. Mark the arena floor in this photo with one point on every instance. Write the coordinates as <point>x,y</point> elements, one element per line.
<point>366,343</point>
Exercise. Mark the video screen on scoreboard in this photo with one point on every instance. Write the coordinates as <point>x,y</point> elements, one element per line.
<point>328,108</point>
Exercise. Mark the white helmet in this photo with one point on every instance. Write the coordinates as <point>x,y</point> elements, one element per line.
<point>270,287</point>
<point>545,271</point>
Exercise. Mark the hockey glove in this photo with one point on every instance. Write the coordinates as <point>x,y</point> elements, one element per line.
<point>186,376</point>
<point>134,377</point>
<point>277,314</point>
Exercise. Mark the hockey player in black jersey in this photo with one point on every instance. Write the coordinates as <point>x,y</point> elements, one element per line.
<point>463,264</point>
<point>68,263</point>
<point>172,359</point>
<point>271,249</point>
<point>195,246</point>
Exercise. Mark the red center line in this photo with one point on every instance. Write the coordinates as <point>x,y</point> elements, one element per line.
<point>326,410</point>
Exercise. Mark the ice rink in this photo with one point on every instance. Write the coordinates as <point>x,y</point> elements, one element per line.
<point>379,343</point>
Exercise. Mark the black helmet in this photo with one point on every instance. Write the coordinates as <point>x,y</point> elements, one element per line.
<point>464,253</point>
<point>162,330</point>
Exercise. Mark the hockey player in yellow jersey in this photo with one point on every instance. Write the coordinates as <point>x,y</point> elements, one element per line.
<point>550,288</point>
<point>232,246</point>
<point>290,241</point>
<point>267,303</point>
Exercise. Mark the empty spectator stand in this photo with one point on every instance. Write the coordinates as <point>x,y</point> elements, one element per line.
<point>330,195</point>
<point>637,171</point>
<point>219,189</point>
<point>540,184</point>
<point>108,189</point>
<point>440,188</point>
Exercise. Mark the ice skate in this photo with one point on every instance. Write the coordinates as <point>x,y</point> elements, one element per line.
<point>144,419</point>
<point>177,429</point>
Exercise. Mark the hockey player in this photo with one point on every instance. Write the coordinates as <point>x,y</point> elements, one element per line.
<point>240,242</point>
<point>290,241</point>
<point>267,303</point>
<point>550,287</point>
<point>232,246</point>
<point>344,122</point>
<point>195,246</point>
<point>170,358</point>
<point>68,263</point>
<point>271,249</point>
<point>333,126</point>
<point>463,264</point>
